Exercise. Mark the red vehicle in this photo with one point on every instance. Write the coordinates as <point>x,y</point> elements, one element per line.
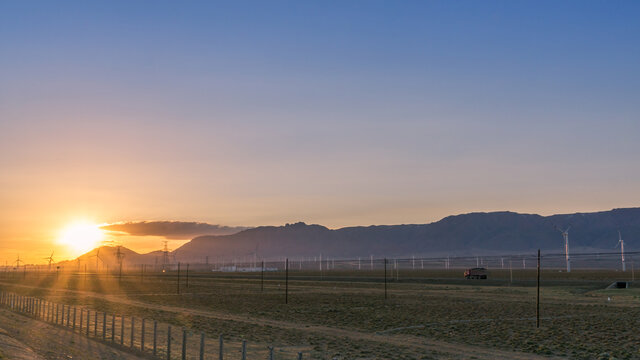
<point>475,273</point>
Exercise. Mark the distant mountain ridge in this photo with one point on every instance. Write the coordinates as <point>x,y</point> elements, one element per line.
<point>472,233</point>
<point>457,235</point>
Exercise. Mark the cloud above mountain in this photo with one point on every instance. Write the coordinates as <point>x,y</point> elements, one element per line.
<point>170,229</point>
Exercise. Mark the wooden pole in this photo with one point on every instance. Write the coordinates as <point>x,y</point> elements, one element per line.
<point>184,344</point>
<point>221,348</point>
<point>538,295</point>
<point>121,329</point>
<point>169,342</point>
<point>155,337</point>
<point>142,336</point>
<point>133,329</point>
<point>201,346</point>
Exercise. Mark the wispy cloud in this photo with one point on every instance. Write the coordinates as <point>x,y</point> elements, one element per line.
<point>170,229</point>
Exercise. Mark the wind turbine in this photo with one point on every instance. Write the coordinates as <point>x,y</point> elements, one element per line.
<point>97,256</point>
<point>565,235</point>
<point>621,243</point>
<point>50,258</point>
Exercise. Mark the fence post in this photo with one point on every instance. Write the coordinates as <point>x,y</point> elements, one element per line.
<point>270,352</point>
<point>68,314</point>
<point>133,329</point>
<point>74,318</point>
<point>244,349</point>
<point>57,309</point>
<point>221,349</point>
<point>95,324</point>
<point>184,344</point>
<point>142,336</point>
<point>155,336</point>
<point>122,330</point>
<point>286,281</point>
<point>88,320</point>
<point>299,356</point>
<point>104,326</point>
<point>169,342</point>
<point>201,346</point>
<point>113,328</point>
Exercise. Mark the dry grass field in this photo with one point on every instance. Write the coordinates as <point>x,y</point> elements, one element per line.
<point>428,314</point>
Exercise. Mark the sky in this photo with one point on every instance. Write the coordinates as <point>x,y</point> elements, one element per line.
<point>341,113</point>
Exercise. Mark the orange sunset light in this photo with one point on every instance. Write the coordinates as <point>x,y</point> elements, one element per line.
<point>81,237</point>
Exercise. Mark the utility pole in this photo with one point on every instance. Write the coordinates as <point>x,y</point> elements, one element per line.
<point>286,281</point>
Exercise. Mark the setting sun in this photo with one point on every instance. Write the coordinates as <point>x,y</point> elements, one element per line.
<point>81,237</point>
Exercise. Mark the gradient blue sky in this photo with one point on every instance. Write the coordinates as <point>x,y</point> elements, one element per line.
<point>331,112</point>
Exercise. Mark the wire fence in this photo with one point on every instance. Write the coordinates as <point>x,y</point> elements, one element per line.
<point>138,335</point>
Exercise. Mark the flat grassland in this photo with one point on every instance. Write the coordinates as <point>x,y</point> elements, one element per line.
<point>428,314</point>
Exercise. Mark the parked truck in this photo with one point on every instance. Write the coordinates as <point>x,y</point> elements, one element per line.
<point>475,273</point>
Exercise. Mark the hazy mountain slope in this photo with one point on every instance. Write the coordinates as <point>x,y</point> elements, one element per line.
<point>461,234</point>
<point>108,259</point>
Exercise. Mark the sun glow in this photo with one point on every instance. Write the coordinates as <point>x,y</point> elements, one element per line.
<point>81,237</point>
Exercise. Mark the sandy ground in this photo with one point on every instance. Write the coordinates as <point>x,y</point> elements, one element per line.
<point>24,338</point>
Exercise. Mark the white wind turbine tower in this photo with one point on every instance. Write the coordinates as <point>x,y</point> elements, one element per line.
<point>621,243</point>
<point>565,235</point>
<point>50,259</point>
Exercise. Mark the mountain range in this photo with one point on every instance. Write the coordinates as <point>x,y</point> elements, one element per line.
<point>466,234</point>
